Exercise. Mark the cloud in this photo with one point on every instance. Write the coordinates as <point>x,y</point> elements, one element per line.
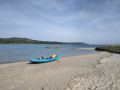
<point>89,21</point>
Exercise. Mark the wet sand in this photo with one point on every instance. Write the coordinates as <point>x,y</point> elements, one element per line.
<point>99,71</point>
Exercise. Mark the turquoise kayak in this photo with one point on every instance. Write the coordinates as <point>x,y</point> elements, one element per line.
<point>43,60</point>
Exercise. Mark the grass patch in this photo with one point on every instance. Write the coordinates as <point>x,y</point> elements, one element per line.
<point>111,48</point>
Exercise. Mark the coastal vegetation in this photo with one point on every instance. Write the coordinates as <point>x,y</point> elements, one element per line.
<point>111,48</point>
<point>17,40</point>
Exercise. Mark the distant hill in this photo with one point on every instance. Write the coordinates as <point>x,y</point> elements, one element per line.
<point>17,40</point>
<point>77,43</point>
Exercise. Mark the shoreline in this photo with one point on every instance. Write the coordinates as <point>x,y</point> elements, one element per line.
<point>60,57</point>
<point>70,73</point>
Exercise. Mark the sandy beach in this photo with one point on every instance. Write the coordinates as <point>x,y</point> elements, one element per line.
<point>99,71</point>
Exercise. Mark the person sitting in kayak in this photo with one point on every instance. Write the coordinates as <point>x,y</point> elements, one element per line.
<point>54,56</point>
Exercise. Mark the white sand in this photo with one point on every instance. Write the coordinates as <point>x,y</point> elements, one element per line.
<point>100,71</point>
<point>86,48</point>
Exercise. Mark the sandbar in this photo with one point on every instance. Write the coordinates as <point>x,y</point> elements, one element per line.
<point>86,48</point>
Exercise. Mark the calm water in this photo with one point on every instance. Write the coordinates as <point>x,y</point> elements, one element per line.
<point>24,52</point>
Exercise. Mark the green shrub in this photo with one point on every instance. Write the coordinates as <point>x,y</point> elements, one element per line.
<point>112,48</point>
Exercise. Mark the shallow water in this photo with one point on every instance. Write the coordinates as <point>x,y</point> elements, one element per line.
<point>24,52</point>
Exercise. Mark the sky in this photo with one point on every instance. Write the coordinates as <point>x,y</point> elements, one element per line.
<point>89,21</point>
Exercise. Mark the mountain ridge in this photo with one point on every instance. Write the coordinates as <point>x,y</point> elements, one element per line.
<point>18,40</point>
